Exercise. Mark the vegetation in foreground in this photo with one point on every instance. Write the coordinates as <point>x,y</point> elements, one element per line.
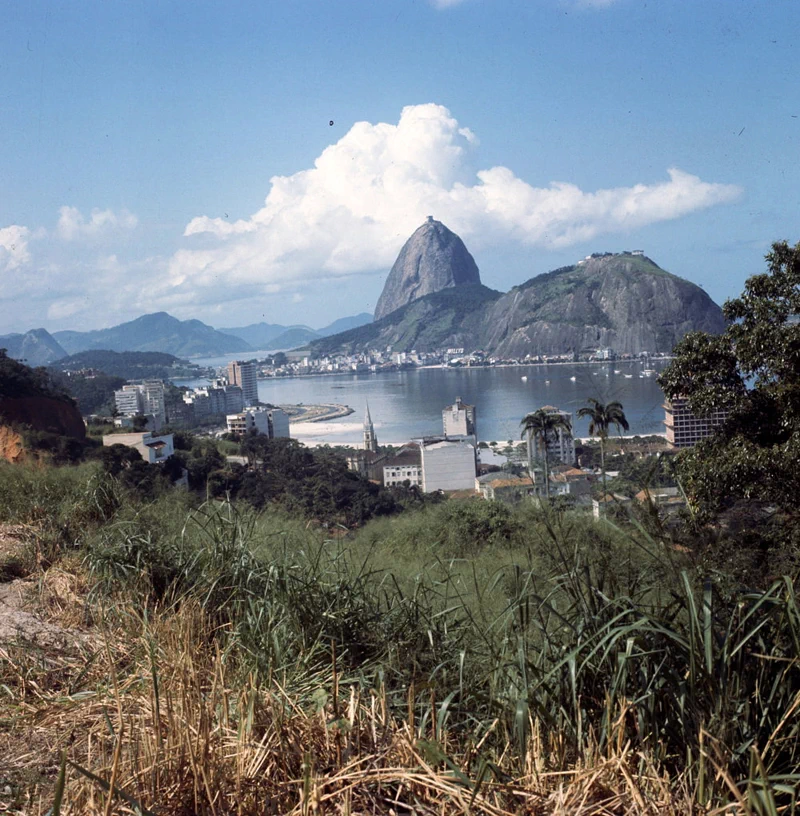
<point>465,657</point>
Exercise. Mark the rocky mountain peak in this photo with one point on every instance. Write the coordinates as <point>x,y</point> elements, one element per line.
<point>432,259</point>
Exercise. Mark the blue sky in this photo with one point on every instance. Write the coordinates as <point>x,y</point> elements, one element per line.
<point>181,156</point>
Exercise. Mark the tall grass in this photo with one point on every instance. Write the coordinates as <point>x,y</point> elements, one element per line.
<point>454,659</point>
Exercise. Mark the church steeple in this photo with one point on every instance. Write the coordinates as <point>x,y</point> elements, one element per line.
<point>370,440</point>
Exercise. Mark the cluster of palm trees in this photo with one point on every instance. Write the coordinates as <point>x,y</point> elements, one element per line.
<point>545,425</point>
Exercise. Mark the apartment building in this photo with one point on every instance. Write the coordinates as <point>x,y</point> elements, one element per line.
<point>684,429</point>
<point>405,467</point>
<point>128,401</point>
<point>243,374</point>
<point>271,422</point>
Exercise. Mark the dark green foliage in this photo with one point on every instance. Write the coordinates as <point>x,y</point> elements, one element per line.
<point>753,371</point>
<point>116,458</point>
<point>94,395</point>
<point>18,380</point>
<point>59,449</point>
<point>129,365</point>
<point>316,484</point>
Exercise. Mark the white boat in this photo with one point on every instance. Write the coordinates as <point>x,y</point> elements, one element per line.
<point>648,372</point>
<point>616,371</point>
<point>524,379</point>
<point>629,376</point>
<point>547,382</point>
<point>572,379</point>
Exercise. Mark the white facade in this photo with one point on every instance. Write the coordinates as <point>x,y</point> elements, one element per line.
<point>448,465</point>
<point>153,399</point>
<point>278,423</point>
<point>128,400</point>
<point>458,419</point>
<point>147,398</point>
<point>272,422</point>
<point>153,449</point>
<point>247,421</point>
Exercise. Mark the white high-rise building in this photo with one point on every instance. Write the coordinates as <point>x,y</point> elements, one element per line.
<point>448,465</point>
<point>153,399</point>
<point>128,401</point>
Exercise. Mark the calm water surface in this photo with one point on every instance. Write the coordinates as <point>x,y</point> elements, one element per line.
<point>405,404</point>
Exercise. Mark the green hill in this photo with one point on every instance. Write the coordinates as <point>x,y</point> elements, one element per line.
<point>443,318</point>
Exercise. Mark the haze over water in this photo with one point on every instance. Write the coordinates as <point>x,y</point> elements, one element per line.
<point>407,404</point>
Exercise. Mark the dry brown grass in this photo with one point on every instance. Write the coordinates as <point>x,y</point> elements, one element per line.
<point>188,733</point>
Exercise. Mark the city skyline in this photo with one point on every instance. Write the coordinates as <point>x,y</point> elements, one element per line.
<point>269,164</point>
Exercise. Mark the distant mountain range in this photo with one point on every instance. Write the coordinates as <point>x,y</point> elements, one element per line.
<point>272,336</point>
<point>160,332</point>
<point>154,332</point>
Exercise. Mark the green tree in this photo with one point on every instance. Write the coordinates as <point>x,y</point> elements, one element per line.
<point>544,426</point>
<point>601,418</point>
<point>751,370</point>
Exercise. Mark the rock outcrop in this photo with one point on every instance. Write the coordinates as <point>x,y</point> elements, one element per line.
<point>622,301</point>
<point>432,259</point>
<point>56,416</point>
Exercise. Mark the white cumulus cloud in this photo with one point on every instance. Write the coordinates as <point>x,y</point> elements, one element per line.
<point>73,225</point>
<point>366,193</point>
<point>13,247</point>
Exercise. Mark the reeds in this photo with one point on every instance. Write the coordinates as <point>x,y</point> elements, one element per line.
<point>247,665</point>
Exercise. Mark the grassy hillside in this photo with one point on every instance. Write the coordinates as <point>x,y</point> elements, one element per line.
<point>215,658</point>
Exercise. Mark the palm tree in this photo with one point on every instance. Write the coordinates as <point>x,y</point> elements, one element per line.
<point>543,425</point>
<point>601,418</point>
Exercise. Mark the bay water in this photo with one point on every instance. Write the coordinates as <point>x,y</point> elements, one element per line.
<point>408,404</point>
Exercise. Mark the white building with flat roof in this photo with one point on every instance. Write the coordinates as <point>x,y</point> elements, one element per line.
<point>458,419</point>
<point>448,465</point>
<point>278,423</point>
<point>272,422</point>
<point>128,401</point>
<point>153,399</point>
<point>153,449</point>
